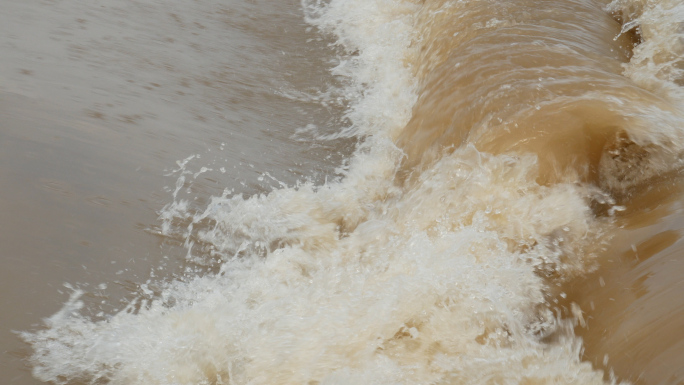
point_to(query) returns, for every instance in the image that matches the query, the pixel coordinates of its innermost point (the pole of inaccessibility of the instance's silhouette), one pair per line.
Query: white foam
(433, 284)
(658, 61)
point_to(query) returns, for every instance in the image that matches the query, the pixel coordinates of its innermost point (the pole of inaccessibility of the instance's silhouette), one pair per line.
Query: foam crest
(376, 35)
(658, 59)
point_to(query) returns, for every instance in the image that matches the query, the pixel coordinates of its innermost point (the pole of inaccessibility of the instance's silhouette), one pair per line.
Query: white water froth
(441, 282)
(658, 60)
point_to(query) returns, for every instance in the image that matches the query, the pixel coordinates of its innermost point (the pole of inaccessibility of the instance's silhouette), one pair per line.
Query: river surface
(341, 192)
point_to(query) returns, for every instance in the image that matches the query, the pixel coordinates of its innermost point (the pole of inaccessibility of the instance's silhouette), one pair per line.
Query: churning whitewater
(498, 141)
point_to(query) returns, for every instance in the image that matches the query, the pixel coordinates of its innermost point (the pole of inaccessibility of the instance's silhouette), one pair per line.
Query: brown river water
(342, 192)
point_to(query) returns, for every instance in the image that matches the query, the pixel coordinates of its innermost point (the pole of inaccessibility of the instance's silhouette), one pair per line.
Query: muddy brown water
(104, 106)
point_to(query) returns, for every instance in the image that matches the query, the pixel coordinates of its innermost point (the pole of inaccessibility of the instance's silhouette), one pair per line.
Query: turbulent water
(512, 160)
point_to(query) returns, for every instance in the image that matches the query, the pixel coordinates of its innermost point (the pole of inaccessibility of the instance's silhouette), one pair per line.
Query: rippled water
(390, 191)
